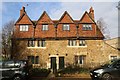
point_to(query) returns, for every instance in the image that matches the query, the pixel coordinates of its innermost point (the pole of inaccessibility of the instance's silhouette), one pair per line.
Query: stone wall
(96, 52)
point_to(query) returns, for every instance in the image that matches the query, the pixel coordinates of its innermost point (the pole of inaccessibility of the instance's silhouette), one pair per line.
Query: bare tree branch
(7, 31)
(104, 28)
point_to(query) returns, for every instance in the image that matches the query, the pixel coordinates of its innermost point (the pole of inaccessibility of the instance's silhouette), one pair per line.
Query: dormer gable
(24, 19)
(86, 18)
(44, 19)
(66, 18)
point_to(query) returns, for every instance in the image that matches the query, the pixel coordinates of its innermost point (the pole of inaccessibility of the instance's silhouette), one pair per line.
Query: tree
(103, 27)
(7, 31)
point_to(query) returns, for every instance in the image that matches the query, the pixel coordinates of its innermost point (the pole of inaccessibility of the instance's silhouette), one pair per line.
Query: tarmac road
(60, 78)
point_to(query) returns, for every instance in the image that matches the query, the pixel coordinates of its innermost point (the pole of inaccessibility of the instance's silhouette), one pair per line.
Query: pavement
(51, 76)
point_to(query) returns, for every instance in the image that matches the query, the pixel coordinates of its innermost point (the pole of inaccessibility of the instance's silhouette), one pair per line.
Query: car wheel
(107, 77)
(17, 77)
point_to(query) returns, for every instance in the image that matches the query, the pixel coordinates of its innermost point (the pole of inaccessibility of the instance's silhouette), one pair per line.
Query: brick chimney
(22, 11)
(91, 12)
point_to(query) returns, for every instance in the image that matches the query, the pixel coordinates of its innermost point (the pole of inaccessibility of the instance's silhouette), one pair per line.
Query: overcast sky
(105, 10)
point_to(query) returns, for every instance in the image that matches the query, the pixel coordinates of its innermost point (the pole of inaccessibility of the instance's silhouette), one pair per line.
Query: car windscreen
(8, 64)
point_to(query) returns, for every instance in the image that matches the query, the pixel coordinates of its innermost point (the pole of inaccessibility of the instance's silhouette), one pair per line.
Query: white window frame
(72, 43)
(24, 27)
(44, 27)
(82, 43)
(87, 27)
(31, 43)
(66, 27)
(79, 59)
(41, 43)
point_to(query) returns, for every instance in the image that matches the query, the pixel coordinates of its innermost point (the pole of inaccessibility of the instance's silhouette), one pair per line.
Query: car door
(8, 69)
(116, 69)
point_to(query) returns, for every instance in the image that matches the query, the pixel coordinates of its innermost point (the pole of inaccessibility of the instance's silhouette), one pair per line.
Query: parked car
(15, 69)
(109, 71)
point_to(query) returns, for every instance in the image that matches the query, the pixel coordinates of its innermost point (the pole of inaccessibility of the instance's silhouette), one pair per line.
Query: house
(59, 43)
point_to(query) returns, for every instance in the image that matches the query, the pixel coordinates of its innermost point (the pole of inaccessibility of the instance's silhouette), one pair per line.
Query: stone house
(58, 43)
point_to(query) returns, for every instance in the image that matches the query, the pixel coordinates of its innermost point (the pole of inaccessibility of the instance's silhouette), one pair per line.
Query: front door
(53, 63)
(61, 62)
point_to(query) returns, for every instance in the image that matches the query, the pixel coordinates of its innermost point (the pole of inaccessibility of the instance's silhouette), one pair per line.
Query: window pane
(66, 27)
(81, 59)
(87, 27)
(82, 43)
(76, 59)
(37, 60)
(32, 59)
(9, 64)
(24, 27)
(44, 27)
(38, 43)
(43, 43)
(31, 43)
(74, 42)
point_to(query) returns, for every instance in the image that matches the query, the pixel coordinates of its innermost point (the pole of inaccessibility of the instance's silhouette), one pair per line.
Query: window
(24, 27)
(9, 64)
(82, 43)
(87, 27)
(41, 43)
(72, 43)
(113, 57)
(31, 43)
(45, 27)
(34, 59)
(79, 59)
(66, 27)
(37, 60)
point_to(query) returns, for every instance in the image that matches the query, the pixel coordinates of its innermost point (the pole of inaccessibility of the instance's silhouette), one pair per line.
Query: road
(60, 78)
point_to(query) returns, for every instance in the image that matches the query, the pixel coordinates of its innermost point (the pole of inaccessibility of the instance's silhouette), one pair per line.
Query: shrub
(40, 72)
(73, 69)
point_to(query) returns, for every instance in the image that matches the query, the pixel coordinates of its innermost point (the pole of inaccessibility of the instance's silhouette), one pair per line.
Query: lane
(60, 78)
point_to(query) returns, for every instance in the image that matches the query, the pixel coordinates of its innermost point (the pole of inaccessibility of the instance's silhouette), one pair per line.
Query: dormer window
(24, 27)
(66, 27)
(87, 27)
(44, 27)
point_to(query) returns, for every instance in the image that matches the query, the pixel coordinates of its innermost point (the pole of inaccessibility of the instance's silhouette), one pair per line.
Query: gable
(44, 19)
(66, 18)
(86, 18)
(24, 19)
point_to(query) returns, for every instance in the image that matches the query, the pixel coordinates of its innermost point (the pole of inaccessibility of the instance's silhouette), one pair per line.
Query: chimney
(91, 13)
(22, 11)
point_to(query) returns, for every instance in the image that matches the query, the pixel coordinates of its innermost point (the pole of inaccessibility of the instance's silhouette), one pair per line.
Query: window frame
(45, 27)
(41, 43)
(66, 27)
(79, 59)
(82, 43)
(72, 42)
(23, 27)
(33, 59)
(31, 43)
(87, 27)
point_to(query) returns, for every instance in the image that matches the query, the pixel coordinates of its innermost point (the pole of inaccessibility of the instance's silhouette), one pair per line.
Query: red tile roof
(59, 32)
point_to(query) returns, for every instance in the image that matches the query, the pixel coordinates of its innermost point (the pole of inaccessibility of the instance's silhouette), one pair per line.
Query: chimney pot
(91, 12)
(22, 11)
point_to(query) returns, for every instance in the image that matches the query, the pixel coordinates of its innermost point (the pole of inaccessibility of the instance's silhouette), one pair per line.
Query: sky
(106, 10)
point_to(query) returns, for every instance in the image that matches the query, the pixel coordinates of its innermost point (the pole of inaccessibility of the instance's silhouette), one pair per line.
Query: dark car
(15, 69)
(109, 71)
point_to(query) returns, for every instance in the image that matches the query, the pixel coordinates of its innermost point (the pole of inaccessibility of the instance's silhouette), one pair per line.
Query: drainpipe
(77, 34)
(55, 25)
